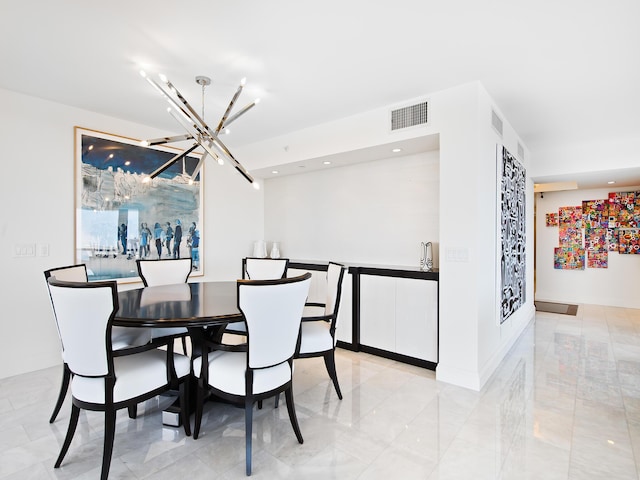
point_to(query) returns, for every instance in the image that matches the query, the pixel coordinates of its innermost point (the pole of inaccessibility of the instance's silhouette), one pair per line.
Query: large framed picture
(121, 214)
(512, 180)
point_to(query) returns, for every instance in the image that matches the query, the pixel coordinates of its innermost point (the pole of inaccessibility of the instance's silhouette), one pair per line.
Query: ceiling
(561, 72)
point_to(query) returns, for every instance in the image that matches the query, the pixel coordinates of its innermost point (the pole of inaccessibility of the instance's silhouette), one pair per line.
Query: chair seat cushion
(125, 337)
(136, 375)
(227, 373)
(315, 337)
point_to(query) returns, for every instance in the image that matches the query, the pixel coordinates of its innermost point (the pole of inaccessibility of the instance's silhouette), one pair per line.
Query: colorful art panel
(552, 219)
(567, 258)
(595, 213)
(569, 237)
(570, 217)
(598, 258)
(629, 241)
(595, 238)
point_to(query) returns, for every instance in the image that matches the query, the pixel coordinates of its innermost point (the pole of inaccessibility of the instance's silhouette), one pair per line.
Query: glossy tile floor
(565, 404)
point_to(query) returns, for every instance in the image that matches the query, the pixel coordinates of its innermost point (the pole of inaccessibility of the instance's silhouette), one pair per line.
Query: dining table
(203, 308)
(191, 305)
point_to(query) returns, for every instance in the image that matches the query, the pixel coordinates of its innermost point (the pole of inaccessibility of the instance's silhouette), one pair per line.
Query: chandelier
(197, 129)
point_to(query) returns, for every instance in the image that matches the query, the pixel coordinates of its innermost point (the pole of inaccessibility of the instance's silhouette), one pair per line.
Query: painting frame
(121, 214)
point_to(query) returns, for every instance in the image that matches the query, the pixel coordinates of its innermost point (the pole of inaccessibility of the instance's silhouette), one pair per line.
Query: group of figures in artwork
(595, 229)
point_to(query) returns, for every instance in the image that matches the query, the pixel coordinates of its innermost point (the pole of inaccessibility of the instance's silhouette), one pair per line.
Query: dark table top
(183, 305)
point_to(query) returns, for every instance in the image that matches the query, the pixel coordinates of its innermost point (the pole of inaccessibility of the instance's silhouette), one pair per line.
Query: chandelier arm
(235, 116)
(185, 113)
(222, 147)
(192, 128)
(228, 111)
(175, 159)
(163, 140)
(196, 170)
(194, 115)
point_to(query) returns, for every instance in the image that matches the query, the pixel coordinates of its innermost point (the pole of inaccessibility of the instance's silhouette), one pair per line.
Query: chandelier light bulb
(143, 74)
(220, 161)
(243, 81)
(256, 185)
(163, 77)
(256, 101)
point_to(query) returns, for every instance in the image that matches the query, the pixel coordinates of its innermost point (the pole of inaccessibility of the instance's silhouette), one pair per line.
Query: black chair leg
(330, 363)
(109, 434)
(66, 377)
(288, 394)
(248, 427)
(73, 423)
(199, 406)
(133, 411)
(184, 406)
(184, 345)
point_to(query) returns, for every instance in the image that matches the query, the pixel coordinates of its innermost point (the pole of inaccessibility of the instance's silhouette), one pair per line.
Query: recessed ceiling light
(275, 171)
(326, 162)
(611, 182)
(396, 150)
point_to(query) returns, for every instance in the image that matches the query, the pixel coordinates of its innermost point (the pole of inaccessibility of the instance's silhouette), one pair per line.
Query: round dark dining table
(191, 305)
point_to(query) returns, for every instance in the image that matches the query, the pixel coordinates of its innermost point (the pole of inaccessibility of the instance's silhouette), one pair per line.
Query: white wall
(38, 208)
(472, 342)
(616, 285)
(374, 212)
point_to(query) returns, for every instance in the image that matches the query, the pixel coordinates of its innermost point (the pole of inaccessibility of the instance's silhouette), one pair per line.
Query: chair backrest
(164, 272)
(70, 273)
(266, 268)
(84, 313)
(335, 273)
(272, 310)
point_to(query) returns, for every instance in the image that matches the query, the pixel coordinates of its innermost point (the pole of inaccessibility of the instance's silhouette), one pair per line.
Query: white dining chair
(101, 380)
(122, 338)
(265, 268)
(272, 311)
(318, 330)
(259, 269)
(166, 272)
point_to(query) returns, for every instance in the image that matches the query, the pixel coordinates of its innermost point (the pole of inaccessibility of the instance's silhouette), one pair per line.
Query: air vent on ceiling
(520, 151)
(496, 121)
(409, 116)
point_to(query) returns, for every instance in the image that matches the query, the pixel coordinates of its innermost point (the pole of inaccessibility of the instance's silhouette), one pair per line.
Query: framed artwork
(122, 215)
(570, 217)
(570, 237)
(551, 219)
(595, 213)
(598, 258)
(568, 258)
(512, 202)
(629, 241)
